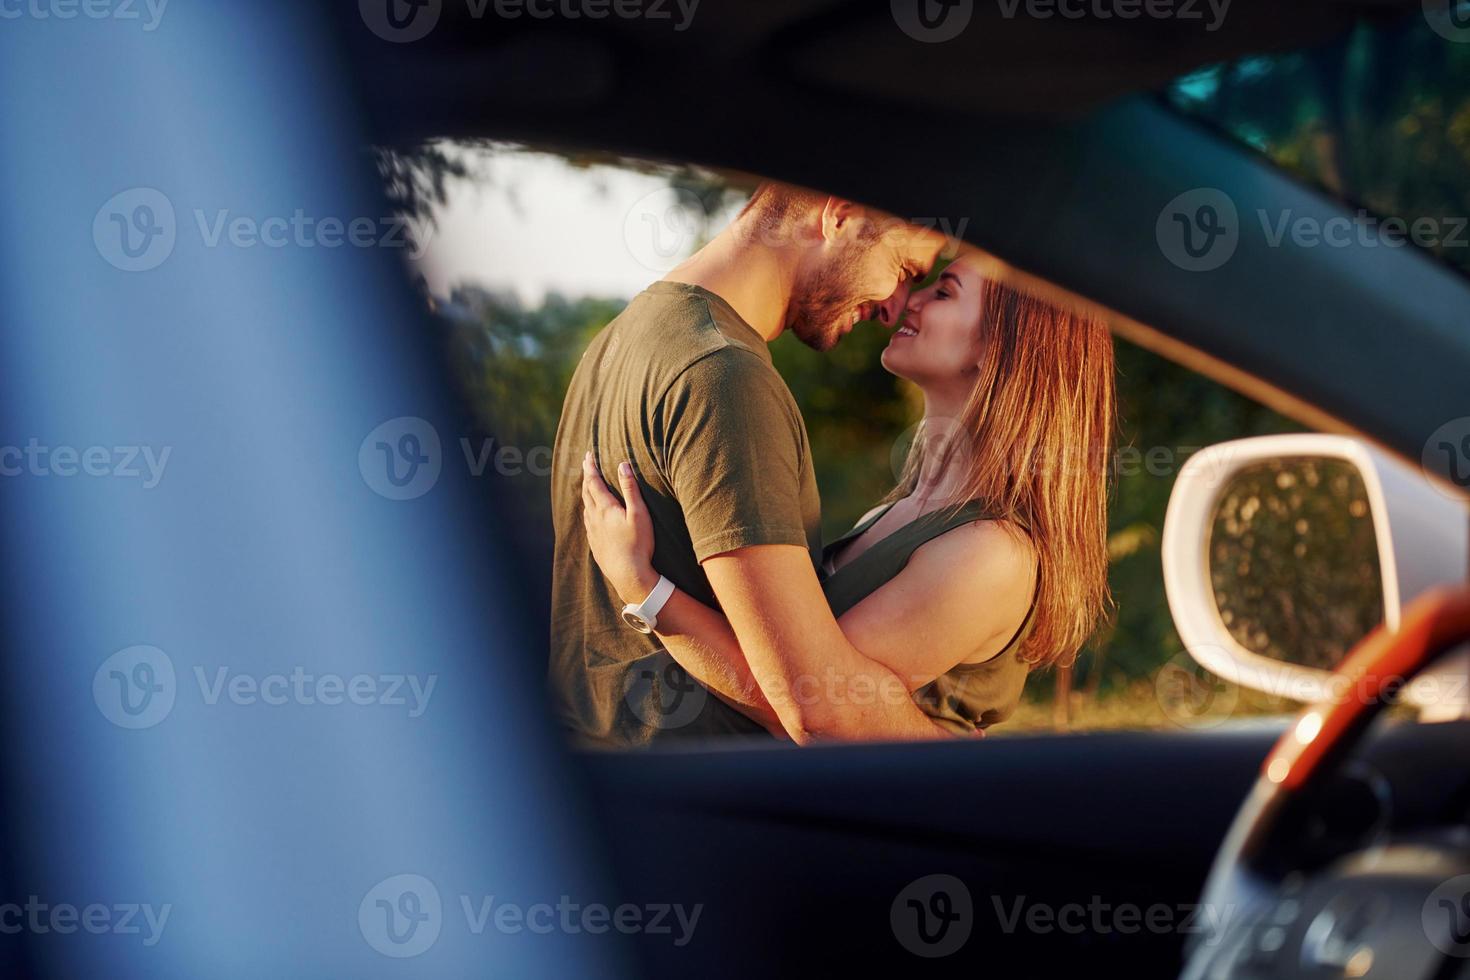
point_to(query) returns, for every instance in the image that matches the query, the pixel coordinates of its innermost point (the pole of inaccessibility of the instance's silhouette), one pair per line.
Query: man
(681, 385)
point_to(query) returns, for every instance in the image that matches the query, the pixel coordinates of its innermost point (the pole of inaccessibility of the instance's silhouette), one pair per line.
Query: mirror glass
(1294, 560)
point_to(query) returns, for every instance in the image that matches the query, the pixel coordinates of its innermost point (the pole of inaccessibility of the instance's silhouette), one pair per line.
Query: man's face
(863, 269)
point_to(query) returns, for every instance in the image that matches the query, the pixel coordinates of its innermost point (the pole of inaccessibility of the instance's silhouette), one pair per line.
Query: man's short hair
(774, 203)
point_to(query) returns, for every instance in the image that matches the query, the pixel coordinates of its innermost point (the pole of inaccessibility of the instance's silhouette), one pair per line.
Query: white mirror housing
(1423, 538)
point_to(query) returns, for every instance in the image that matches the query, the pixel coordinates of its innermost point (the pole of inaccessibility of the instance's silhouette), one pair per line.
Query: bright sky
(535, 224)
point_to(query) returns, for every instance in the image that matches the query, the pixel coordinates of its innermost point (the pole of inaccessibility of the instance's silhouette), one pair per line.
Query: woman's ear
(979, 349)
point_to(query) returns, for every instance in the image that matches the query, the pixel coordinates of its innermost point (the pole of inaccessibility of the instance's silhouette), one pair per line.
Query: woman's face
(939, 342)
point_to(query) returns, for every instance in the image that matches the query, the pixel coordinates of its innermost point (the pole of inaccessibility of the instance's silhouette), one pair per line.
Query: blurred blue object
(268, 710)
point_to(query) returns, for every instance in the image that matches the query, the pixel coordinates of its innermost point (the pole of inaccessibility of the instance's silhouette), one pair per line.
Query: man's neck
(756, 280)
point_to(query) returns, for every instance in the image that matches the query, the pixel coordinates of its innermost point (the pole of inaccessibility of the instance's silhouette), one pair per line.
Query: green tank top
(967, 696)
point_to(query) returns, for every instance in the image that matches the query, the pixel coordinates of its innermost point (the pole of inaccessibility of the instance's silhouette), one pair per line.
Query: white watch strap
(649, 608)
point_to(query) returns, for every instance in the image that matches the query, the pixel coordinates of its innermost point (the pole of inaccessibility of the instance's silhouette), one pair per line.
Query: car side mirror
(1282, 552)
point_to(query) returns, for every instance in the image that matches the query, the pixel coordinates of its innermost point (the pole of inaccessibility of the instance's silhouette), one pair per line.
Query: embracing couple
(692, 595)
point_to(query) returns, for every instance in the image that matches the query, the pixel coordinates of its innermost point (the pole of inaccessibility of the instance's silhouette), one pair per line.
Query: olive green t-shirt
(684, 389)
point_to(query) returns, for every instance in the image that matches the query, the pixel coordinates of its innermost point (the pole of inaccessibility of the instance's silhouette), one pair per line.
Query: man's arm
(702, 642)
(817, 682)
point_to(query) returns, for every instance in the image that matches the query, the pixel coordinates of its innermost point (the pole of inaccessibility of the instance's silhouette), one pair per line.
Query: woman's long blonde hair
(1033, 445)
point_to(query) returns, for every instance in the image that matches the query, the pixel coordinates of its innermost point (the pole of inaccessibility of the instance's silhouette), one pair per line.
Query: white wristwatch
(644, 616)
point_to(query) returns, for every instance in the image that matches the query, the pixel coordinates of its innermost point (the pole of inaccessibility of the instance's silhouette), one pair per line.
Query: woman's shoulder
(990, 557)
(995, 562)
(997, 536)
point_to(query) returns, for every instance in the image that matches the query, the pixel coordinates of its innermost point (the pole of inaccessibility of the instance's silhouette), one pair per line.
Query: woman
(989, 558)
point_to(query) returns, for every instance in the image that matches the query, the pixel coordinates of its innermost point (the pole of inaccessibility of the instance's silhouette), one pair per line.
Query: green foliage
(855, 413)
(515, 363)
(1166, 414)
(1379, 118)
(514, 366)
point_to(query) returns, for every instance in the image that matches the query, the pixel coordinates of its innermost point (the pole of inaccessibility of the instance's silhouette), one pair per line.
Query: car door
(1038, 855)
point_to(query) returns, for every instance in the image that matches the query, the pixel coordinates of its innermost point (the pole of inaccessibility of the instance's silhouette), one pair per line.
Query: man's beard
(824, 309)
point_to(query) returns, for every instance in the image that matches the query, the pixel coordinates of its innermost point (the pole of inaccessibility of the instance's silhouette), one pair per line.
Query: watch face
(636, 621)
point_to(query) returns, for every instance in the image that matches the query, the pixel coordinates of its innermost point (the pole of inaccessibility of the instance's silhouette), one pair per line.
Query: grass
(1183, 701)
